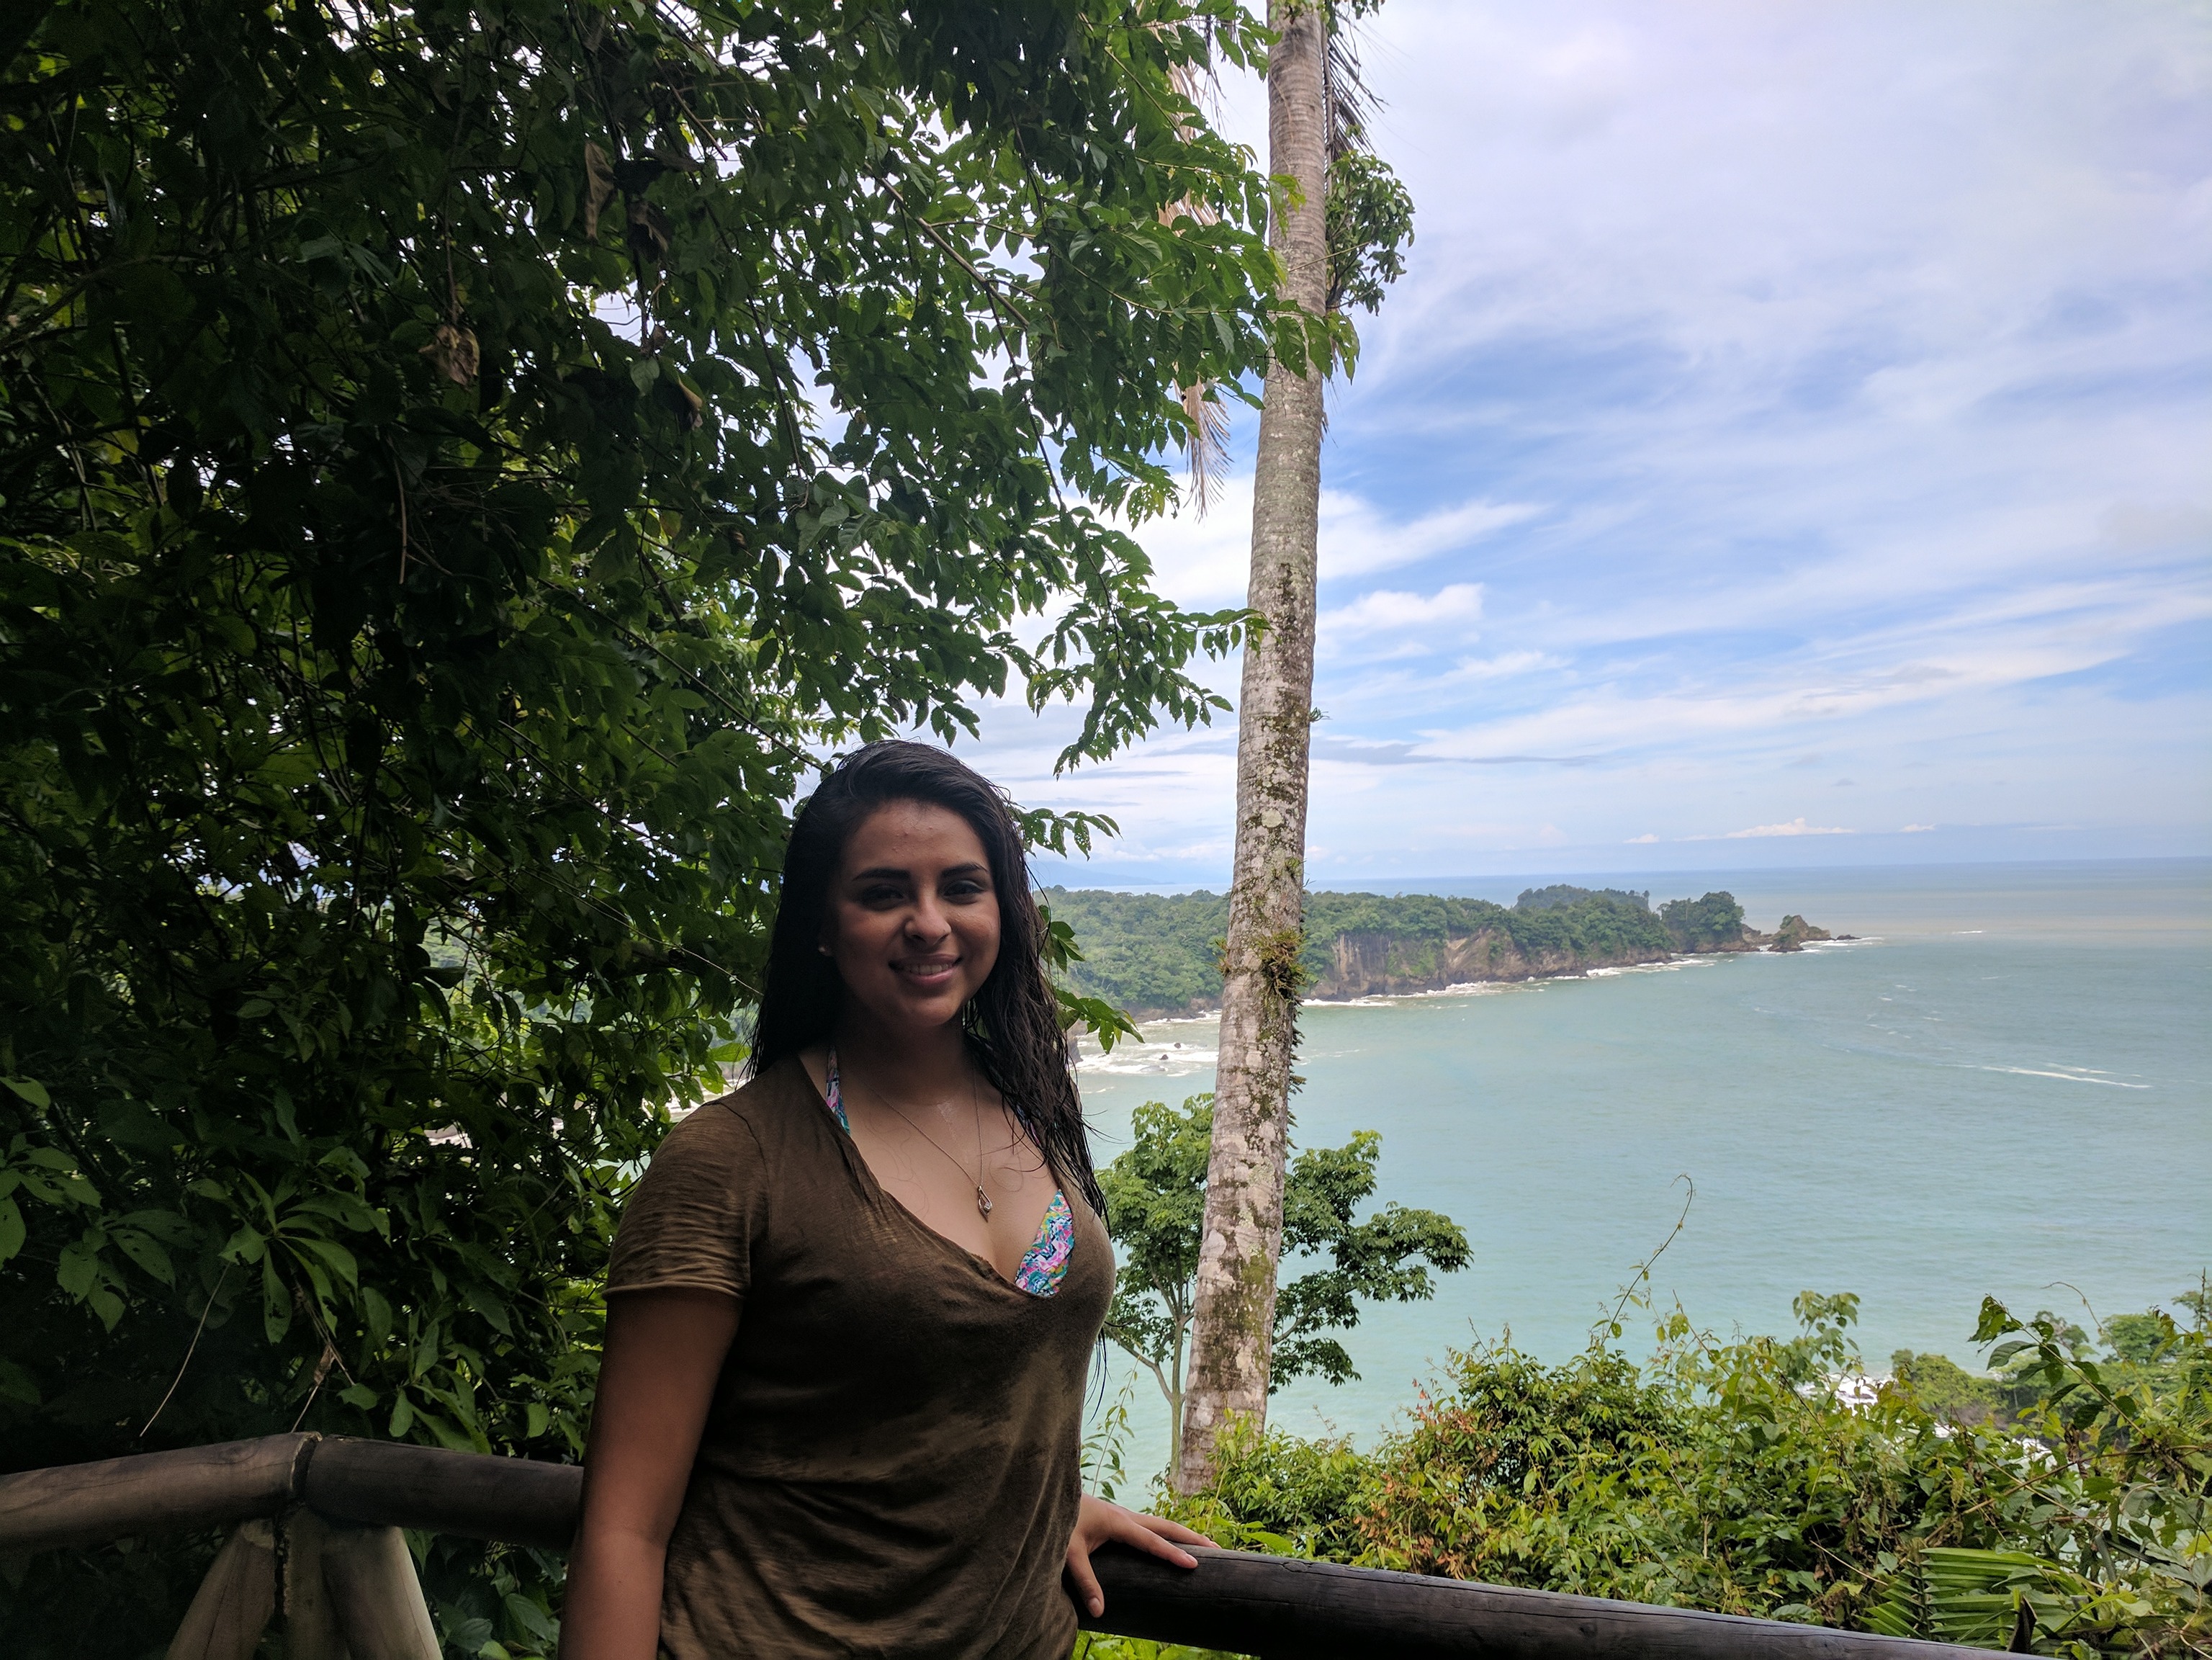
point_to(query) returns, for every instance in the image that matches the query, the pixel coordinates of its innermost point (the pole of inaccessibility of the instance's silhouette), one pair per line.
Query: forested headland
(1157, 955)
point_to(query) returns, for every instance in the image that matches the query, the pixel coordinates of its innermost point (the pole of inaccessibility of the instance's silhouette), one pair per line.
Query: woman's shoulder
(720, 1164)
(765, 1109)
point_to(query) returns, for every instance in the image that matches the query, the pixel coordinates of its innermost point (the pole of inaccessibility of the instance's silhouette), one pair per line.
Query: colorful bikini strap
(832, 1096)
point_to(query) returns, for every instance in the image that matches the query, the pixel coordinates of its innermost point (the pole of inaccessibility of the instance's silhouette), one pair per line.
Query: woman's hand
(1100, 1521)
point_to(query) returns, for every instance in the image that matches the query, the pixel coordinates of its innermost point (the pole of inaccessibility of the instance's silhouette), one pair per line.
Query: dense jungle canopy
(462, 465)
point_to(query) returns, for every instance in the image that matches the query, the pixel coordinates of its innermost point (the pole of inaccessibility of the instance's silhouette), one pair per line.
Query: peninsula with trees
(1159, 954)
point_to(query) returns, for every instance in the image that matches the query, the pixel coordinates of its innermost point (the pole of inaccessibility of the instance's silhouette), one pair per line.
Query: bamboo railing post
(231, 1609)
(311, 1623)
(152, 1493)
(377, 1597)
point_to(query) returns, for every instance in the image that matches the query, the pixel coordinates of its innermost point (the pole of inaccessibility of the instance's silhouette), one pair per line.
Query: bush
(1734, 1477)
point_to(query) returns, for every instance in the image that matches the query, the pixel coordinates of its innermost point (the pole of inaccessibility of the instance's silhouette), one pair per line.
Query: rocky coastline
(1366, 964)
(1137, 948)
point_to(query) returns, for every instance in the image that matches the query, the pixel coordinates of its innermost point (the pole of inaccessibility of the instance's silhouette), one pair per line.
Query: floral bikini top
(1045, 1264)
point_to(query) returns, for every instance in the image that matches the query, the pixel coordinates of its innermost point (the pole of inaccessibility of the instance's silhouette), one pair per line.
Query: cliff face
(1375, 965)
(1382, 964)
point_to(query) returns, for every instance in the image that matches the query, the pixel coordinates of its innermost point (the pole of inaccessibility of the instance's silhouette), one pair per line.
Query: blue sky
(1791, 442)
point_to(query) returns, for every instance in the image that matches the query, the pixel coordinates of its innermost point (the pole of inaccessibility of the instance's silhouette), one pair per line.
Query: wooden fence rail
(1271, 1606)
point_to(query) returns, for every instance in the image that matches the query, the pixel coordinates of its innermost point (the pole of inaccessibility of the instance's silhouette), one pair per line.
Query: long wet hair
(1012, 1022)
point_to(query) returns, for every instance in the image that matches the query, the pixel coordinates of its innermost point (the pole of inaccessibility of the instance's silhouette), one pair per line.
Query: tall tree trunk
(1232, 1333)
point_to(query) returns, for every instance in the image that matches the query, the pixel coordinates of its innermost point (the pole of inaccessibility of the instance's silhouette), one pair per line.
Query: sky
(1791, 443)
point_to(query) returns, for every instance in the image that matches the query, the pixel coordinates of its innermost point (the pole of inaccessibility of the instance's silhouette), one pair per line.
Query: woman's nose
(926, 920)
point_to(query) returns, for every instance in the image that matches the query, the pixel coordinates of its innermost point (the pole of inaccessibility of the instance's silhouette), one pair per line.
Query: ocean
(2003, 1087)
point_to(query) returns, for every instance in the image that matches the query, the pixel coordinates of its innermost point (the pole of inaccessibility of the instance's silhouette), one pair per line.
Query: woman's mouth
(928, 971)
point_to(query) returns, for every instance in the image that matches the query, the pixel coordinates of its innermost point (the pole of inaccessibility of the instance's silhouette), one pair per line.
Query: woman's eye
(881, 896)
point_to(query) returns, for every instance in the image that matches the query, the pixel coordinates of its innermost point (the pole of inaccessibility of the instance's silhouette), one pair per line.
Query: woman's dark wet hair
(1011, 1023)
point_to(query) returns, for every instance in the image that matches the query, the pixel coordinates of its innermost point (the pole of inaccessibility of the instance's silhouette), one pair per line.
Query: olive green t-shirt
(891, 1464)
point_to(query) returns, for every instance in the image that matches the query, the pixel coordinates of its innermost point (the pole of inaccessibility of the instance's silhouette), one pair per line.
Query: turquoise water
(2003, 1086)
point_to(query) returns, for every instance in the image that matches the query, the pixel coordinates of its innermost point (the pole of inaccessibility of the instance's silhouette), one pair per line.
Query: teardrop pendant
(983, 1204)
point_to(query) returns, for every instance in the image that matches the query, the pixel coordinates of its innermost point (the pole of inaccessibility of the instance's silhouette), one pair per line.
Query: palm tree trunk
(1231, 1335)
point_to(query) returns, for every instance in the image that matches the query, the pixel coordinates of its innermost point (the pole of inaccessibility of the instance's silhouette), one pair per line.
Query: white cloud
(1387, 610)
(1795, 827)
(1693, 698)
(1913, 830)
(1642, 840)
(1208, 561)
(1749, 178)
(1356, 540)
(1502, 666)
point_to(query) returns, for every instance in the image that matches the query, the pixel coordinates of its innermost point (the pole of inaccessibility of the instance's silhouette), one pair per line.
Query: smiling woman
(852, 1304)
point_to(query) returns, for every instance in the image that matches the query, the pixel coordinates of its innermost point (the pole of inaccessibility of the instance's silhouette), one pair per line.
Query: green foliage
(1097, 1645)
(2143, 1353)
(1565, 893)
(1947, 1391)
(1096, 1015)
(1386, 1258)
(2141, 1339)
(1149, 952)
(1155, 1207)
(1369, 224)
(462, 465)
(1732, 1477)
(1716, 921)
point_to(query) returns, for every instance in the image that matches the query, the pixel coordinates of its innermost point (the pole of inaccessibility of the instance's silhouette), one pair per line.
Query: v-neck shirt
(891, 1463)
(1044, 1264)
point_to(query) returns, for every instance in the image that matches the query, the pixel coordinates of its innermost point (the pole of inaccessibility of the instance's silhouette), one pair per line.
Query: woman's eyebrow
(901, 874)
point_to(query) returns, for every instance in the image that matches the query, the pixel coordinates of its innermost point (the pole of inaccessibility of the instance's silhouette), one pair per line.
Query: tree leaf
(275, 1303)
(17, 1385)
(146, 1252)
(327, 1250)
(78, 1269)
(453, 352)
(599, 187)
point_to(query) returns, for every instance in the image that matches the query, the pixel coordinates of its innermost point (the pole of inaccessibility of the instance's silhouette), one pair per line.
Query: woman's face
(913, 917)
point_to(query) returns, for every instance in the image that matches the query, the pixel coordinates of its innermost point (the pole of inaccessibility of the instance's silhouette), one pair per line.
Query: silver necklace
(976, 1179)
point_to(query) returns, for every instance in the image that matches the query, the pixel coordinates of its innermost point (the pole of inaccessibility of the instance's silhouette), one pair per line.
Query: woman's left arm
(663, 1351)
(1100, 1522)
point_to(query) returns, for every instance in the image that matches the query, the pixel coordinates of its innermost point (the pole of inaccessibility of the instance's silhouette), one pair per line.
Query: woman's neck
(927, 1065)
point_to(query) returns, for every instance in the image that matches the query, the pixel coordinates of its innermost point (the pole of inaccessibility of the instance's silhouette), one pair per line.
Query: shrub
(1735, 1477)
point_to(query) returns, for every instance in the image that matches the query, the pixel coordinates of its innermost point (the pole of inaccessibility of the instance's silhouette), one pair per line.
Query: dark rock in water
(1793, 932)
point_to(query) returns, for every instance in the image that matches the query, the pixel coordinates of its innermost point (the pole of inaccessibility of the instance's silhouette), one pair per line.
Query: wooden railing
(339, 1503)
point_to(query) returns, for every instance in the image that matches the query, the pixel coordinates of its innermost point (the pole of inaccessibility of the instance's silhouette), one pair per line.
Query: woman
(850, 1304)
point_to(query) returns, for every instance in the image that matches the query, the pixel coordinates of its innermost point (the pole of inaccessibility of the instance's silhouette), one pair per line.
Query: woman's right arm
(657, 1373)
